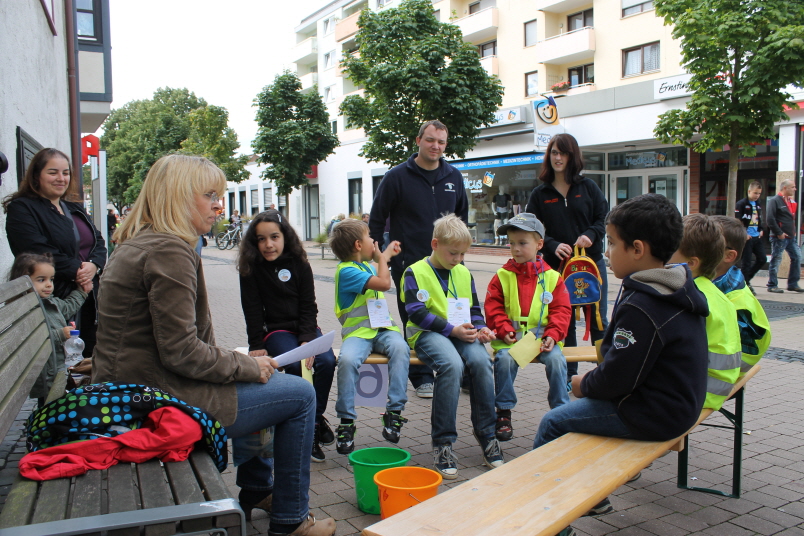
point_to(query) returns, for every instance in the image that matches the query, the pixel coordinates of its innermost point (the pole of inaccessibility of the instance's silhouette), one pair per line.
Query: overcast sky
(225, 52)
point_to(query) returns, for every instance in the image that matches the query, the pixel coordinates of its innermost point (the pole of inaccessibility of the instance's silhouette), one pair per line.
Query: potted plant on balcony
(560, 87)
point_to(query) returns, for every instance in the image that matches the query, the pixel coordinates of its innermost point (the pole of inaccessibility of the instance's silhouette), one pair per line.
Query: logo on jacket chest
(449, 187)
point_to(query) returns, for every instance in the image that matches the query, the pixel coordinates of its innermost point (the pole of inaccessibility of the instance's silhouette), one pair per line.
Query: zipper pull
(565, 202)
(433, 187)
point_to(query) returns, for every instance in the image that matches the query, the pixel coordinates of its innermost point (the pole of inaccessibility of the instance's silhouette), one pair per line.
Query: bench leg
(736, 419)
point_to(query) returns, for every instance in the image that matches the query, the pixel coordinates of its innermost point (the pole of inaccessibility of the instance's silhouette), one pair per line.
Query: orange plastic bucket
(402, 487)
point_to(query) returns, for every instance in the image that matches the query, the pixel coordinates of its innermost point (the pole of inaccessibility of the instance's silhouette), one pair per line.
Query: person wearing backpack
(573, 211)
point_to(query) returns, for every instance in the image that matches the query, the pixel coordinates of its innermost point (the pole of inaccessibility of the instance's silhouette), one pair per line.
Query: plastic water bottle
(73, 349)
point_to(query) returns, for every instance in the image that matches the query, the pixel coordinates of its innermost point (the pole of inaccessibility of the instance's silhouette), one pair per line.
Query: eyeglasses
(212, 196)
(557, 153)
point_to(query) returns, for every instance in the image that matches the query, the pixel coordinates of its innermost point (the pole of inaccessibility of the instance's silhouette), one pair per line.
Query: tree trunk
(731, 189)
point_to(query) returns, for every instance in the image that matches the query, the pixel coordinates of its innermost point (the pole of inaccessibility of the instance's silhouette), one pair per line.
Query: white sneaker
(425, 390)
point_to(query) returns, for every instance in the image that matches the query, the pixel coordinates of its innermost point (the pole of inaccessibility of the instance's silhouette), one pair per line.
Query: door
(313, 214)
(631, 184)
(626, 186)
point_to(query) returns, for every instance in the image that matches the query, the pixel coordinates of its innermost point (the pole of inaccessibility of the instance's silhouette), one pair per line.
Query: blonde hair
(703, 238)
(166, 202)
(450, 229)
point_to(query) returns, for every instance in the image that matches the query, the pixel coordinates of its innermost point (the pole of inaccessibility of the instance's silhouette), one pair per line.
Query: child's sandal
(505, 430)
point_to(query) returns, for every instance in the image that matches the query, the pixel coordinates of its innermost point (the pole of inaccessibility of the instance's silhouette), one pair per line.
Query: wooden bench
(575, 354)
(171, 498)
(544, 491)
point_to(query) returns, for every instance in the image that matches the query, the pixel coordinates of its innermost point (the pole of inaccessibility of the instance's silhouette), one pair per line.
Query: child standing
(42, 271)
(526, 295)
(446, 328)
(362, 310)
(702, 248)
(755, 334)
(651, 384)
(277, 293)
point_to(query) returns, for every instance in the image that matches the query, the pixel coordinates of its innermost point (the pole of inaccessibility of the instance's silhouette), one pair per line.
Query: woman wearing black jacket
(39, 219)
(573, 211)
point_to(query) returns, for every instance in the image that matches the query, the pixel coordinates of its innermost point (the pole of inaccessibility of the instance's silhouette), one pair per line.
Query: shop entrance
(629, 184)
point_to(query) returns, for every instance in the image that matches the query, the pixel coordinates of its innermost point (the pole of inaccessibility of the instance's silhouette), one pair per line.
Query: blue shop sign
(504, 161)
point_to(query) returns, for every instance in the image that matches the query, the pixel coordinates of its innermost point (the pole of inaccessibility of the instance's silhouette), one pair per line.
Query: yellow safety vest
(436, 302)
(744, 300)
(355, 319)
(723, 337)
(538, 311)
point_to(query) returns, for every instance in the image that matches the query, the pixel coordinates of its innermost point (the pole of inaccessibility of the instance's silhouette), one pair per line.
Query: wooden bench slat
(12, 315)
(20, 502)
(186, 491)
(155, 492)
(212, 485)
(122, 494)
(52, 502)
(12, 403)
(14, 288)
(29, 336)
(87, 496)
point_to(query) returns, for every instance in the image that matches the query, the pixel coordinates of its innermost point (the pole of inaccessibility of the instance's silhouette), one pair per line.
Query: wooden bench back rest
(25, 346)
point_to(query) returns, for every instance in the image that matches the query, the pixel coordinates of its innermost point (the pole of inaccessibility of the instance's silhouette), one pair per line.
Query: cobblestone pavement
(772, 499)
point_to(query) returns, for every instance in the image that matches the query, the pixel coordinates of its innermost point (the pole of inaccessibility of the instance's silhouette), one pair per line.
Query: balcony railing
(561, 6)
(305, 52)
(308, 81)
(347, 27)
(489, 63)
(480, 26)
(569, 47)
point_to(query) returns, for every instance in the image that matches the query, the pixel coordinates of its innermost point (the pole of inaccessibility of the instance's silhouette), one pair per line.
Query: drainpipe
(72, 84)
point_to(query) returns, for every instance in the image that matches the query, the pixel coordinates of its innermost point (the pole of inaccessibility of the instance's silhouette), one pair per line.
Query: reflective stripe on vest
(354, 319)
(514, 311)
(723, 338)
(437, 301)
(744, 300)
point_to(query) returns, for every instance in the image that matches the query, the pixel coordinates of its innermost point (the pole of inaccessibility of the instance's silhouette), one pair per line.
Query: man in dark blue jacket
(414, 194)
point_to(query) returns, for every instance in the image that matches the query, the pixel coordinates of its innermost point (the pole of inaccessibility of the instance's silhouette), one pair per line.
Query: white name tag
(379, 317)
(458, 311)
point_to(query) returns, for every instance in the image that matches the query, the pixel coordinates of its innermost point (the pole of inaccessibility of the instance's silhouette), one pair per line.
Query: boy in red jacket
(526, 295)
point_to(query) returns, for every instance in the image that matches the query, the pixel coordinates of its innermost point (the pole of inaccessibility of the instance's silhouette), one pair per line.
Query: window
(632, 7)
(437, 14)
(27, 147)
(583, 74)
(532, 84)
(383, 3)
(530, 33)
(355, 196)
(266, 198)
(255, 201)
(576, 21)
(329, 59)
(329, 93)
(334, 126)
(488, 49)
(641, 59)
(329, 25)
(86, 20)
(474, 8)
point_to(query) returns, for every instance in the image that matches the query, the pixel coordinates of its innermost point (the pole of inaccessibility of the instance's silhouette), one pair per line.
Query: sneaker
(311, 527)
(569, 387)
(796, 289)
(317, 454)
(392, 426)
(425, 390)
(504, 430)
(346, 438)
(492, 453)
(775, 290)
(603, 507)
(325, 435)
(445, 461)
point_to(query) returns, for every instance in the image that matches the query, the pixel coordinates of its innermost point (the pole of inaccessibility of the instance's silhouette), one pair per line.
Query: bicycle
(228, 239)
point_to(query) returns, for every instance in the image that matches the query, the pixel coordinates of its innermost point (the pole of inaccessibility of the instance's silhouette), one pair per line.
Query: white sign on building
(672, 87)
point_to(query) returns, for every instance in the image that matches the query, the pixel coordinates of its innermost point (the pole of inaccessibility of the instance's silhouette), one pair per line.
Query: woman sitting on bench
(154, 329)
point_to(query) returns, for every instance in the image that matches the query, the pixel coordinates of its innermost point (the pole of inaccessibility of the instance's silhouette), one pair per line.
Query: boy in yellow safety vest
(755, 334)
(446, 328)
(702, 248)
(526, 295)
(367, 326)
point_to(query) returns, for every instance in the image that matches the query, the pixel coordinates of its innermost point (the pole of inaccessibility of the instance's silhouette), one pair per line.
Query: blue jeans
(505, 370)
(288, 404)
(354, 351)
(447, 356)
(779, 245)
(595, 334)
(279, 342)
(586, 416)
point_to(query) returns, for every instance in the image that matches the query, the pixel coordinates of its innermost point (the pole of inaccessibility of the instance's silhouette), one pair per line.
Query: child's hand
(576, 386)
(87, 286)
(485, 335)
(510, 338)
(464, 332)
(547, 344)
(392, 250)
(67, 330)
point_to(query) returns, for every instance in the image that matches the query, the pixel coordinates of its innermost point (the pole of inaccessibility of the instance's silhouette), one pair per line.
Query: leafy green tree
(174, 120)
(294, 132)
(741, 54)
(413, 69)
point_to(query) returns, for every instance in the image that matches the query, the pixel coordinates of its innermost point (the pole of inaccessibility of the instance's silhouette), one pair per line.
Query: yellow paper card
(526, 349)
(307, 374)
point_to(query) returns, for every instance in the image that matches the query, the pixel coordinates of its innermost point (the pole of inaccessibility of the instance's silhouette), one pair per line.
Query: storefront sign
(545, 120)
(672, 87)
(504, 161)
(508, 116)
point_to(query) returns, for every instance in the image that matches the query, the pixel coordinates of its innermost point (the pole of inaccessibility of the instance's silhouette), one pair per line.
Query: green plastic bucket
(366, 463)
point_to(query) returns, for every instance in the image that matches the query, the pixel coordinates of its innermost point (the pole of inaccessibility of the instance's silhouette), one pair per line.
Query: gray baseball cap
(524, 221)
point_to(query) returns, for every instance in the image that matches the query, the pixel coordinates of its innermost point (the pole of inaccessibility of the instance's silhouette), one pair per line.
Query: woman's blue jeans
(447, 356)
(279, 342)
(586, 416)
(287, 403)
(505, 370)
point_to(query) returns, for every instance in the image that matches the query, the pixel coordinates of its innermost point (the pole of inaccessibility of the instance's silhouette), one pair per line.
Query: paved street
(773, 468)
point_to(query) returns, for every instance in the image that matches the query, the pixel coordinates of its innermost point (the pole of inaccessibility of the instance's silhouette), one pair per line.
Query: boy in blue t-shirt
(367, 326)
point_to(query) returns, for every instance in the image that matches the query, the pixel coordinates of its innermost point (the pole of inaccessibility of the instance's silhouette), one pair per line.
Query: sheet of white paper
(314, 347)
(379, 317)
(458, 311)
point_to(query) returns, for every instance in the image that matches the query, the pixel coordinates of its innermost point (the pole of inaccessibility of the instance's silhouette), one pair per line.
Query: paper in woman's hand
(312, 348)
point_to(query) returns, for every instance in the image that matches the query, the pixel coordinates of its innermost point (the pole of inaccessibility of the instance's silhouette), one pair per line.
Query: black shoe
(796, 289)
(603, 507)
(317, 455)
(261, 500)
(775, 290)
(505, 429)
(346, 438)
(325, 435)
(492, 453)
(392, 426)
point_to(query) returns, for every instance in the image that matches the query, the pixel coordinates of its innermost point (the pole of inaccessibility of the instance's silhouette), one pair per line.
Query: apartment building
(612, 67)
